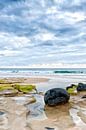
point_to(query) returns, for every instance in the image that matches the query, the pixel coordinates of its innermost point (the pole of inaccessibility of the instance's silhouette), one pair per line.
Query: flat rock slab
(9, 93)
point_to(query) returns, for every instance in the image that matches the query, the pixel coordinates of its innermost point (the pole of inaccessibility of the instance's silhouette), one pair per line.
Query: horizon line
(52, 65)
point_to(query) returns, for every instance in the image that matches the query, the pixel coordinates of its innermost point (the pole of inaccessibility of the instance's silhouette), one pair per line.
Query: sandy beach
(28, 112)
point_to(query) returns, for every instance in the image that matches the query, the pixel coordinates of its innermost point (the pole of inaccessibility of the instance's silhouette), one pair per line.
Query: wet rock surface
(13, 112)
(13, 88)
(81, 87)
(9, 93)
(56, 96)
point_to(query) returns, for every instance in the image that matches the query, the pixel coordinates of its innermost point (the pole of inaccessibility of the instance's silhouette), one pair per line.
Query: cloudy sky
(42, 31)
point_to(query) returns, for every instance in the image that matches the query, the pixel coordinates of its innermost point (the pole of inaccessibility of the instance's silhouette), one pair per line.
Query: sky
(42, 32)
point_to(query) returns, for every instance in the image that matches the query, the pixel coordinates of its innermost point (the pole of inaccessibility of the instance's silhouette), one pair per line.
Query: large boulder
(81, 87)
(56, 96)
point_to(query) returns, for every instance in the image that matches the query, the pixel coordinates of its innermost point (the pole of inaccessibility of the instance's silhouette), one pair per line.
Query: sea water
(25, 72)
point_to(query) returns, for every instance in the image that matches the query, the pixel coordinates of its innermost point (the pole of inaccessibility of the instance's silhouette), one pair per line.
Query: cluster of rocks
(58, 96)
(72, 89)
(9, 89)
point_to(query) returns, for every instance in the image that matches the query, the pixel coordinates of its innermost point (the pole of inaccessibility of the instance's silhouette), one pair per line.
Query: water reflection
(36, 109)
(3, 120)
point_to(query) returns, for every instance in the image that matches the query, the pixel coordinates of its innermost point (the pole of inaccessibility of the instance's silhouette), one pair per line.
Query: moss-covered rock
(25, 88)
(7, 90)
(5, 87)
(2, 81)
(72, 89)
(13, 89)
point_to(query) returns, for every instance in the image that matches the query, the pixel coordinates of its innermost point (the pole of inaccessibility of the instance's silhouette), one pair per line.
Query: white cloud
(52, 10)
(44, 31)
(74, 17)
(45, 36)
(9, 53)
(14, 41)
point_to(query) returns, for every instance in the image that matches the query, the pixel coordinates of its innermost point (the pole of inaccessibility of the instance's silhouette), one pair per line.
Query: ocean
(25, 72)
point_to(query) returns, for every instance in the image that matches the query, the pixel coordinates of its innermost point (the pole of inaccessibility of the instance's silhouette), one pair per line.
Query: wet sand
(23, 113)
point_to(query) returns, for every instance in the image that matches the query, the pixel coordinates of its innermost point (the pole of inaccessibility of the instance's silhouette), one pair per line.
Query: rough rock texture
(56, 96)
(13, 112)
(9, 93)
(81, 87)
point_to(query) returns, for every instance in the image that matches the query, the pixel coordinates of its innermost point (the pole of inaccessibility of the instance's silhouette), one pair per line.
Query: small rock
(48, 128)
(72, 89)
(56, 96)
(1, 113)
(71, 86)
(81, 87)
(84, 96)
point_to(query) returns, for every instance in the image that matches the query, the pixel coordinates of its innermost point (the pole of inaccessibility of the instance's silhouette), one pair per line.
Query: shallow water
(61, 81)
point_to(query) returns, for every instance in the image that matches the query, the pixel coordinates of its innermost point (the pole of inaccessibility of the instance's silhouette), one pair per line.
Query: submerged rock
(81, 87)
(56, 96)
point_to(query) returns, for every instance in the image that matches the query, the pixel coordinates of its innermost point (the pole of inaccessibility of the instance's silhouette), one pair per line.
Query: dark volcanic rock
(48, 128)
(81, 87)
(56, 96)
(84, 96)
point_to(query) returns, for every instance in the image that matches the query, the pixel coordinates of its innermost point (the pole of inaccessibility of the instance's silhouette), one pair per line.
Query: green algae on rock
(25, 88)
(5, 87)
(13, 89)
(2, 81)
(72, 89)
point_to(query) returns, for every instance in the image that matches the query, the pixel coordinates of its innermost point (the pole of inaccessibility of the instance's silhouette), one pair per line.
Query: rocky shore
(27, 111)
